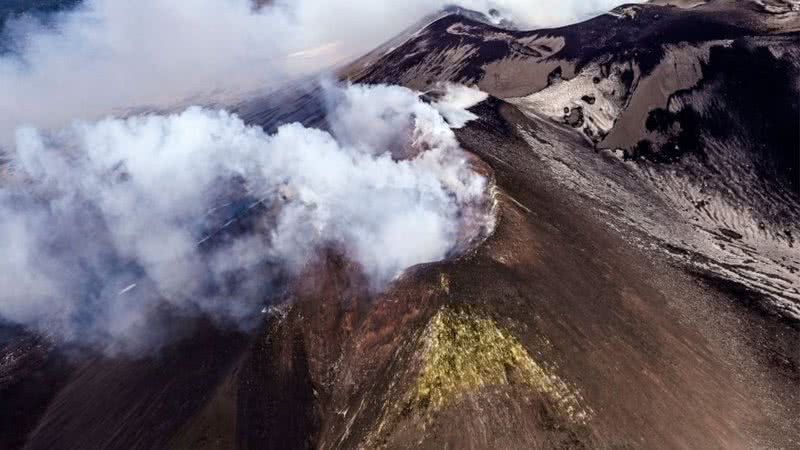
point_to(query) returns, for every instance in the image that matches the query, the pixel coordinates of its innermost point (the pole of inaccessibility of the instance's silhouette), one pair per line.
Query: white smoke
(106, 223)
(109, 225)
(110, 55)
(455, 102)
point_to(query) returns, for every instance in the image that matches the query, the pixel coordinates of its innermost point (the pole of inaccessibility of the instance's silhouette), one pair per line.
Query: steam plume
(108, 55)
(107, 223)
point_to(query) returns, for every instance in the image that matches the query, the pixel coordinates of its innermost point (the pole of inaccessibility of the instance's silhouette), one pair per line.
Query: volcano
(640, 287)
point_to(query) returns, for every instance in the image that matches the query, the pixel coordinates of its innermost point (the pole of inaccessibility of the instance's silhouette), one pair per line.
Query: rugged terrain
(640, 289)
(701, 104)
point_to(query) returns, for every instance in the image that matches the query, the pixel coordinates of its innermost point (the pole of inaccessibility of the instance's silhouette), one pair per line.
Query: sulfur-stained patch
(444, 283)
(460, 352)
(464, 352)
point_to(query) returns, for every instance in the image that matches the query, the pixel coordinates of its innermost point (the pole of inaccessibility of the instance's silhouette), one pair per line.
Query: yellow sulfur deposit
(463, 352)
(444, 283)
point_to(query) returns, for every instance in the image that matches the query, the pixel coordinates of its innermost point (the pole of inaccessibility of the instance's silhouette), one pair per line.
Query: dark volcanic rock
(574, 117)
(761, 106)
(645, 303)
(32, 372)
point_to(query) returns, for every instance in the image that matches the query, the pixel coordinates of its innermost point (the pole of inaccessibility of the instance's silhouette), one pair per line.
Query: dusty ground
(572, 326)
(556, 332)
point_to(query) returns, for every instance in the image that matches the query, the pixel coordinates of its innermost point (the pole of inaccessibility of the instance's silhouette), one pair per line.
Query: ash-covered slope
(556, 333)
(575, 325)
(699, 103)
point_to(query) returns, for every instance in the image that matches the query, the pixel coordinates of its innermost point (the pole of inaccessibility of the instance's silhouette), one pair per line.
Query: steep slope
(554, 333)
(701, 102)
(625, 299)
(577, 324)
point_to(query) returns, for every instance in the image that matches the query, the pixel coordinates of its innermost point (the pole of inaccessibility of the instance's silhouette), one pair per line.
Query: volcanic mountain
(641, 288)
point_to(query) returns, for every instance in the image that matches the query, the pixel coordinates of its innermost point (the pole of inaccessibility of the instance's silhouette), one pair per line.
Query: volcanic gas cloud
(106, 225)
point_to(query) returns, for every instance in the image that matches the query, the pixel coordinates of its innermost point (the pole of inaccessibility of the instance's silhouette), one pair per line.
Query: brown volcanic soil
(655, 356)
(600, 344)
(559, 331)
(656, 359)
(121, 403)
(703, 101)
